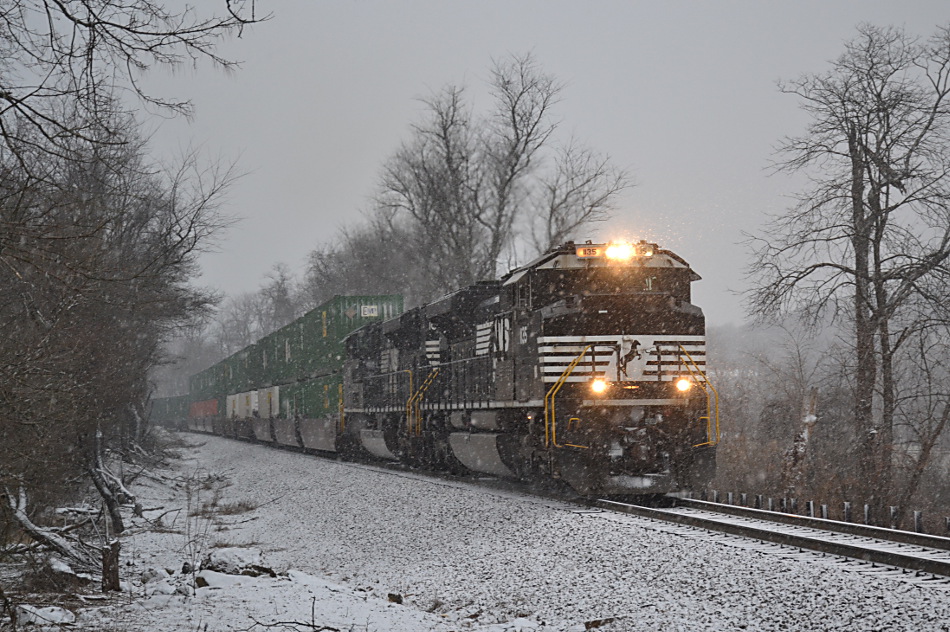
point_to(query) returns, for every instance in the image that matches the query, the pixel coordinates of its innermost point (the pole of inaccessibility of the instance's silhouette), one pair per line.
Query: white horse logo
(629, 359)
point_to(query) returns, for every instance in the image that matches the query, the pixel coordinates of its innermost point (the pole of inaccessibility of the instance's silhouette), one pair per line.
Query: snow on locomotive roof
(572, 256)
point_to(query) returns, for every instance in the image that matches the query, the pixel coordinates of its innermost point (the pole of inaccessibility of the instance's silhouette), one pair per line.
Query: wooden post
(824, 512)
(893, 517)
(919, 521)
(847, 512)
(867, 514)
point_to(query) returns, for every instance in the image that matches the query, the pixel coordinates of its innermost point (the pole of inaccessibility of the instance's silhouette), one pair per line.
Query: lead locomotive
(586, 365)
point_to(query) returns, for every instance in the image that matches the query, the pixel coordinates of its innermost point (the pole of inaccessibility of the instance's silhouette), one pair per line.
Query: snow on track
(468, 558)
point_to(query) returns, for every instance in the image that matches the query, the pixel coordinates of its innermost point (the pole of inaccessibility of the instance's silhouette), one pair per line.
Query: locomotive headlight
(621, 251)
(598, 386)
(683, 385)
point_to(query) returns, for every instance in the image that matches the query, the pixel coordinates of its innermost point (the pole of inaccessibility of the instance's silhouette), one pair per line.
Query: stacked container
(287, 387)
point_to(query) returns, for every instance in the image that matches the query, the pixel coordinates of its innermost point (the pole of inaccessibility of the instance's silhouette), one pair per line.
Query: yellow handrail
(550, 428)
(409, 401)
(414, 401)
(342, 416)
(711, 406)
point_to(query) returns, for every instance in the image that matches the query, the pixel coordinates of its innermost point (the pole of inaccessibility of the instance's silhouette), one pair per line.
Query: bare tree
(769, 380)
(97, 244)
(520, 129)
(437, 182)
(922, 412)
(872, 234)
(189, 350)
(580, 191)
(282, 297)
(463, 186)
(375, 258)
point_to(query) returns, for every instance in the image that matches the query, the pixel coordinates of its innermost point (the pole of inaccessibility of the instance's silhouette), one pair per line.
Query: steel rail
(838, 526)
(875, 549)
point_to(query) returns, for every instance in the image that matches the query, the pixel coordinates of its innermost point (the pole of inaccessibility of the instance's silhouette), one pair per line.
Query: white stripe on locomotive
(664, 359)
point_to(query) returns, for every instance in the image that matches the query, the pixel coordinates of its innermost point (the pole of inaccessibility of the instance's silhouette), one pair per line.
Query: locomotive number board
(590, 251)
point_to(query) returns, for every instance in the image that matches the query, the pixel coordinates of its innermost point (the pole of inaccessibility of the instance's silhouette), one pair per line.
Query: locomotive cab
(626, 405)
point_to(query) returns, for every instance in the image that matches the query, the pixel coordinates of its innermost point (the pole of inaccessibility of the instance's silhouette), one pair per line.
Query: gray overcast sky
(683, 94)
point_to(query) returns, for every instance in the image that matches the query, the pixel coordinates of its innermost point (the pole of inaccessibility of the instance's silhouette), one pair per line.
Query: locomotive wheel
(348, 446)
(443, 457)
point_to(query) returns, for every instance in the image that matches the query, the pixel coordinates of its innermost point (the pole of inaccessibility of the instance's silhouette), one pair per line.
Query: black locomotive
(586, 365)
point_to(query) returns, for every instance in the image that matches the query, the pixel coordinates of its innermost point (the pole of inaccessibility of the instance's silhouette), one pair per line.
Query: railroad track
(901, 549)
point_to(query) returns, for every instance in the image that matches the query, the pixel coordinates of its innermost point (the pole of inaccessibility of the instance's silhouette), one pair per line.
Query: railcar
(287, 387)
(586, 365)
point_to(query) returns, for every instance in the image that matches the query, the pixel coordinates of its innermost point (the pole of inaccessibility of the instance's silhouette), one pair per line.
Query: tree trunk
(111, 490)
(110, 567)
(111, 502)
(865, 374)
(885, 435)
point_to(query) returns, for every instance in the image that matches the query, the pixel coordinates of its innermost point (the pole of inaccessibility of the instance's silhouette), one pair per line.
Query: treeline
(98, 243)
(789, 430)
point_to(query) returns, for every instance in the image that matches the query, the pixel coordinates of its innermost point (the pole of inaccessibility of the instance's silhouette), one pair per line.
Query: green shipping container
(312, 345)
(304, 358)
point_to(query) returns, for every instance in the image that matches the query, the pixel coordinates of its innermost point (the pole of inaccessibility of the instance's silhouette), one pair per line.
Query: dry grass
(228, 544)
(39, 577)
(240, 507)
(214, 508)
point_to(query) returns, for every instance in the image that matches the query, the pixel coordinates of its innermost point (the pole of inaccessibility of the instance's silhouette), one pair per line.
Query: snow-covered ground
(348, 543)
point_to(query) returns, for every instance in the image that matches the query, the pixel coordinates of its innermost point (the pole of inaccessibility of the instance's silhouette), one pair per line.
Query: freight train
(587, 365)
